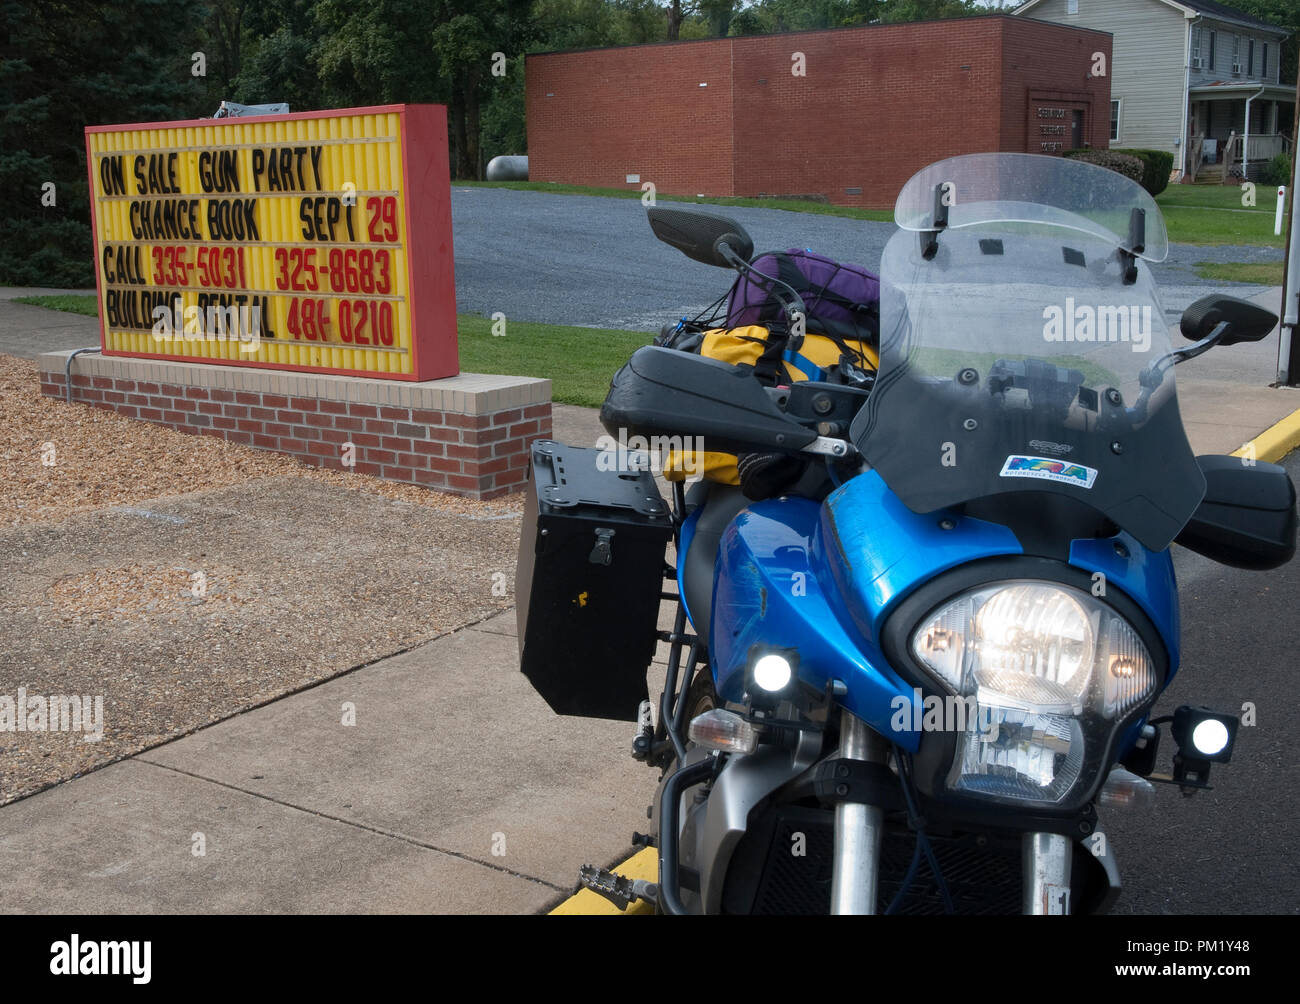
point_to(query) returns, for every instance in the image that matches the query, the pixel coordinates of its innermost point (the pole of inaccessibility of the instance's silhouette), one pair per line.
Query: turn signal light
(723, 730)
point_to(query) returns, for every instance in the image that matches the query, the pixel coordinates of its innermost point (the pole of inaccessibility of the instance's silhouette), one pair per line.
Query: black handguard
(766, 475)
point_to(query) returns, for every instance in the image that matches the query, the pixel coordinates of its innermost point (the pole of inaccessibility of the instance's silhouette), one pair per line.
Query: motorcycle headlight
(1046, 672)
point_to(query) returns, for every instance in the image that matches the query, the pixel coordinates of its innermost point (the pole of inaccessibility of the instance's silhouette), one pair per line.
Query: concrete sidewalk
(456, 791)
(1225, 395)
(27, 331)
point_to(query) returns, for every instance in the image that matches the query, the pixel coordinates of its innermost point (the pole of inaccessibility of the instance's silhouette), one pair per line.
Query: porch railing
(1195, 156)
(1268, 147)
(1263, 148)
(1232, 154)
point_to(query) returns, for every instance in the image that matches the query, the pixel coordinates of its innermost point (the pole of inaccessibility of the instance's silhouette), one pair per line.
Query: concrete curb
(1275, 442)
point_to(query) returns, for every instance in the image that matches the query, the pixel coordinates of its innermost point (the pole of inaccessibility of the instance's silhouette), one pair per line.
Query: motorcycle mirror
(701, 235)
(1247, 322)
(663, 392)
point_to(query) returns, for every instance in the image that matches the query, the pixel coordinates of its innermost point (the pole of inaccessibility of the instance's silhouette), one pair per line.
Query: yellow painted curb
(644, 864)
(1274, 443)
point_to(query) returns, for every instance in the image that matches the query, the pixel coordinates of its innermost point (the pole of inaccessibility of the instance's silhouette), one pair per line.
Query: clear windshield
(985, 188)
(1020, 356)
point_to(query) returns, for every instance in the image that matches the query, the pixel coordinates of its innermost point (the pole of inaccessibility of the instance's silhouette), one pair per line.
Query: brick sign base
(467, 434)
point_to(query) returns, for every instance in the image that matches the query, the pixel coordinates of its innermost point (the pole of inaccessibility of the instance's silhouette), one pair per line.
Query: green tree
(574, 24)
(898, 11)
(277, 61)
(63, 67)
(223, 29)
(472, 41)
(638, 21)
(1284, 14)
(375, 54)
(775, 16)
(718, 14)
(504, 130)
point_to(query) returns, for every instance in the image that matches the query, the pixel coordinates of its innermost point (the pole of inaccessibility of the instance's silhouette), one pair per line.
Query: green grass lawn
(1214, 214)
(72, 304)
(1194, 214)
(578, 361)
(791, 205)
(1261, 273)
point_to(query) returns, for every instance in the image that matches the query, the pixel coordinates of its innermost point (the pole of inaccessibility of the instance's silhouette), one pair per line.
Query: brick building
(734, 116)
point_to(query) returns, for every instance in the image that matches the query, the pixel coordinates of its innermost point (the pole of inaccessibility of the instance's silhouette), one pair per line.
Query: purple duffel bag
(842, 300)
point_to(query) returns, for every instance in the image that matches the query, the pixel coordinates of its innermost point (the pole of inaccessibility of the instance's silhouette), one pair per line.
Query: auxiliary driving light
(770, 674)
(773, 673)
(1202, 734)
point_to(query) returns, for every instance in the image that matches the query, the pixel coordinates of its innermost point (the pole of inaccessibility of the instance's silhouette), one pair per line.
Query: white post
(1245, 146)
(1281, 202)
(1245, 139)
(1290, 281)
(1291, 308)
(1291, 301)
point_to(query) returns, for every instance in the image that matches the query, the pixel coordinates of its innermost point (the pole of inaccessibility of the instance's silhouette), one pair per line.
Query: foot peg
(620, 891)
(643, 741)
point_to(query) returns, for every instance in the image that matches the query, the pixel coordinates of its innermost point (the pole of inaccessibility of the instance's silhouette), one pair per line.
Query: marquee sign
(318, 241)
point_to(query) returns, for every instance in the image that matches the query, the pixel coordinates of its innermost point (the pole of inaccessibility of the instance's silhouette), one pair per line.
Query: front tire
(700, 696)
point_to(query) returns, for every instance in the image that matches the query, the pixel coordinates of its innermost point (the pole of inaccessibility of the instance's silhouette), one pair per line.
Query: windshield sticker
(1049, 470)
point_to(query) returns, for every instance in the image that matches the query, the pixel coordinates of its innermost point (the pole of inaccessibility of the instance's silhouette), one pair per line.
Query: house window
(1236, 54)
(1071, 6)
(1263, 55)
(1210, 64)
(1250, 57)
(1196, 48)
(1114, 120)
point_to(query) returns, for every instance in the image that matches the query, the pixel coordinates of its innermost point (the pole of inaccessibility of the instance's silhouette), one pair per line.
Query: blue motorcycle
(907, 682)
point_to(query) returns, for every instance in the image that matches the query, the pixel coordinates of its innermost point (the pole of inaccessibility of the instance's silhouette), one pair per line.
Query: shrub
(1277, 171)
(1121, 163)
(1157, 165)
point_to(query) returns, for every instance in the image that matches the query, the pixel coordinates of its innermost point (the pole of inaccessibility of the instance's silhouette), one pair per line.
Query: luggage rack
(658, 744)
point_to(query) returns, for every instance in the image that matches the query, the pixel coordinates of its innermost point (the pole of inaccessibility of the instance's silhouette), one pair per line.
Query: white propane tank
(507, 169)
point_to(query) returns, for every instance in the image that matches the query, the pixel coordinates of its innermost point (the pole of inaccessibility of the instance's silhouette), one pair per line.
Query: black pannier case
(589, 582)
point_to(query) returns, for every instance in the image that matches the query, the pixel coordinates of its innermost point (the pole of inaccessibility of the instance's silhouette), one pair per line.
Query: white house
(1193, 77)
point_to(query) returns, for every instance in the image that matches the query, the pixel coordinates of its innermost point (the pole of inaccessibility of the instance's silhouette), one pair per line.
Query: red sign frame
(426, 215)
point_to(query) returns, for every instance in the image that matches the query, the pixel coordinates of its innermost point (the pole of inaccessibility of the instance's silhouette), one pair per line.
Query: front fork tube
(1045, 865)
(1045, 857)
(858, 828)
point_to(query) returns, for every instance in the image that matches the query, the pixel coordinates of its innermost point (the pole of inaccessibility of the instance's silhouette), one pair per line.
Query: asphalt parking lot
(1230, 850)
(576, 259)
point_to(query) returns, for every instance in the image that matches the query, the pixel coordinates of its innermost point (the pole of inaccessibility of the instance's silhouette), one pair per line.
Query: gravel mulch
(57, 459)
(184, 579)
